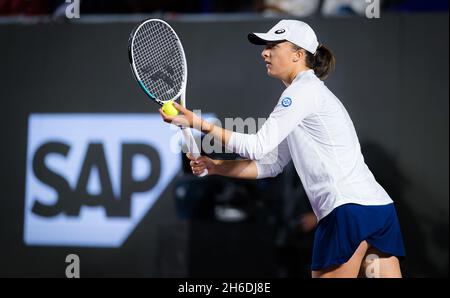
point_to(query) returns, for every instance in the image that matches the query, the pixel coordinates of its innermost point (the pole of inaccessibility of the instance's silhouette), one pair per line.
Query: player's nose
(265, 53)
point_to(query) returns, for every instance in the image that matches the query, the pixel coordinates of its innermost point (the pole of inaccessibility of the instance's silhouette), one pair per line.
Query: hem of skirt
(342, 260)
(397, 254)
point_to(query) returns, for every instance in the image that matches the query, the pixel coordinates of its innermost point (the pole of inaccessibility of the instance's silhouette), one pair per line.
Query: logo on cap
(280, 31)
(285, 102)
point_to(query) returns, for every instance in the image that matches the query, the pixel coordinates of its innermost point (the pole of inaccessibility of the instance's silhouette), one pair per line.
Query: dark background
(391, 75)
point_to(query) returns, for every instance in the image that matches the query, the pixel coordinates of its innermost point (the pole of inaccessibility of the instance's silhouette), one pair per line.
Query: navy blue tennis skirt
(339, 234)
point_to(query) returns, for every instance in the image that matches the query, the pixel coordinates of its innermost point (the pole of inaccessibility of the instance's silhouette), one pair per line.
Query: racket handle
(192, 146)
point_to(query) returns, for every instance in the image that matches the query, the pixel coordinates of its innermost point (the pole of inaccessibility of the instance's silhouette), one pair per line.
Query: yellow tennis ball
(169, 109)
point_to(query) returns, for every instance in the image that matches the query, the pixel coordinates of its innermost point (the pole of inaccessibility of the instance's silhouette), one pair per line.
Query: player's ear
(298, 55)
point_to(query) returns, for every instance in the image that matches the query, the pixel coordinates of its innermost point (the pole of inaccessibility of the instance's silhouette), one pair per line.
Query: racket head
(157, 60)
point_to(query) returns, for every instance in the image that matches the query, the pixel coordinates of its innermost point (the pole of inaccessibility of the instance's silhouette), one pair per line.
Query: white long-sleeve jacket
(311, 126)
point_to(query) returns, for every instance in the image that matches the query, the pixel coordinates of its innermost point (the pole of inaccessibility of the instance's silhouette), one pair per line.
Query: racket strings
(159, 60)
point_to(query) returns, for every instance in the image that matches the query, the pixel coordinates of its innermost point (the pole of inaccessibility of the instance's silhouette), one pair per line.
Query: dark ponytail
(323, 62)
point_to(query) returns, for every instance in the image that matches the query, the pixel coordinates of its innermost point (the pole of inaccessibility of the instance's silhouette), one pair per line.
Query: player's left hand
(185, 118)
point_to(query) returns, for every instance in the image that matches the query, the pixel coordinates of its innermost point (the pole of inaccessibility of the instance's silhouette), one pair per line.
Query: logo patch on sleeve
(285, 102)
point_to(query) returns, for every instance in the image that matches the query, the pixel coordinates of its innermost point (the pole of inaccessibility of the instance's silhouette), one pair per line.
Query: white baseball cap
(297, 32)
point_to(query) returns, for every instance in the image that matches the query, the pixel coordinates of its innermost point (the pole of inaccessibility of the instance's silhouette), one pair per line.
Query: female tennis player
(358, 233)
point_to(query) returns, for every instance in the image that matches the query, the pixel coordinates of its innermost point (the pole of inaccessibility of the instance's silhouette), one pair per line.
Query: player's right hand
(200, 164)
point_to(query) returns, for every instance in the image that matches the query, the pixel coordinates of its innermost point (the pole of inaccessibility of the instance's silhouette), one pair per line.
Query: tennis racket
(159, 65)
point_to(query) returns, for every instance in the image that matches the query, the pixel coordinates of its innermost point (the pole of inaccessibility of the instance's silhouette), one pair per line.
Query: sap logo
(69, 201)
(91, 178)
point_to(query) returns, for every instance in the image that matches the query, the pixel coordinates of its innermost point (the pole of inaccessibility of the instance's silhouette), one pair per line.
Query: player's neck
(291, 77)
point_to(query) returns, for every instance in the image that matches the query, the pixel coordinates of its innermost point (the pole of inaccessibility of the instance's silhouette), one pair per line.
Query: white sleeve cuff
(246, 145)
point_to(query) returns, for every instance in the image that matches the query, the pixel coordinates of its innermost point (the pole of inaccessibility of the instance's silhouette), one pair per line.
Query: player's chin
(271, 74)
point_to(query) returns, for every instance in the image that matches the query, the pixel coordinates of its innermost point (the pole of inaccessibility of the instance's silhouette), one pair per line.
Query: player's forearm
(217, 132)
(244, 169)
